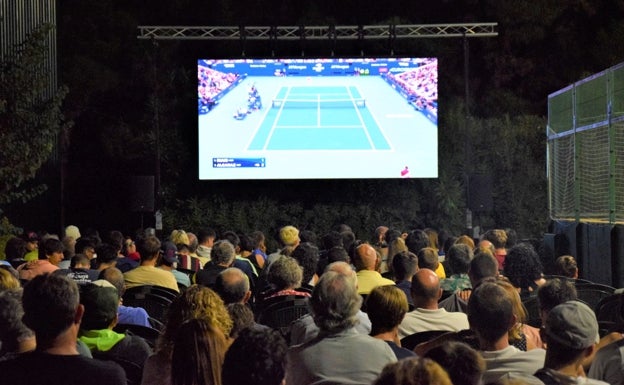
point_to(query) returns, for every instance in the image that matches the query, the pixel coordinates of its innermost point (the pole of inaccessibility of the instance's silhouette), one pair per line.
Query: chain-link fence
(586, 149)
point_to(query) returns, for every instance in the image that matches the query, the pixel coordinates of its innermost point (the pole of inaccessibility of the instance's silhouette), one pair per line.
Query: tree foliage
(30, 118)
(123, 88)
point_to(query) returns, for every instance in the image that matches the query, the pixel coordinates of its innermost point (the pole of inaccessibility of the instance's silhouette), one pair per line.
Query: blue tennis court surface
(318, 118)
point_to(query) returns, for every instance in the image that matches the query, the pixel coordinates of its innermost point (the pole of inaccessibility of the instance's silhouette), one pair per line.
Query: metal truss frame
(331, 32)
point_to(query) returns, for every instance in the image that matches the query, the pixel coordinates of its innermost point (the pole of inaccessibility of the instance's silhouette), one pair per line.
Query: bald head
(115, 277)
(426, 289)
(486, 245)
(233, 286)
(366, 258)
(380, 234)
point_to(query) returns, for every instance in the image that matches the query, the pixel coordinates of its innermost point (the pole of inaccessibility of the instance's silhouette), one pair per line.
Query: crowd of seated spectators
(421, 86)
(63, 316)
(210, 84)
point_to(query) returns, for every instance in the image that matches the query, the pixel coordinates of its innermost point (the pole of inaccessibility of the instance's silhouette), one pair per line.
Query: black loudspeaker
(555, 245)
(480, 193)
(141, 193)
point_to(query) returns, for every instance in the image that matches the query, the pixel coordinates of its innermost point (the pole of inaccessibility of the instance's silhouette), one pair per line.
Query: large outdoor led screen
(318, 118)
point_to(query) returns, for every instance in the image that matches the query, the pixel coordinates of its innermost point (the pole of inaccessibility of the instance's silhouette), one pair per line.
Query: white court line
(266, 112)
(318, 110)
(325, 126)
(274, 125)
(370, 140)
(379, 126)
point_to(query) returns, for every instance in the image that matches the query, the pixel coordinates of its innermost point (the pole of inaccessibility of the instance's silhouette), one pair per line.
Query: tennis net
(319, 103)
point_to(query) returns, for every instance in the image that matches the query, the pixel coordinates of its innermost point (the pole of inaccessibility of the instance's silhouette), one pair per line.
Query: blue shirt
(132, 316)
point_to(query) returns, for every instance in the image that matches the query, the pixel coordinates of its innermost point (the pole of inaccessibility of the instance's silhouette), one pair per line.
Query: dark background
(122, 88)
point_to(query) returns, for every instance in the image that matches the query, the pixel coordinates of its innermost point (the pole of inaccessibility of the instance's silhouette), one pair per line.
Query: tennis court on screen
(318, 118)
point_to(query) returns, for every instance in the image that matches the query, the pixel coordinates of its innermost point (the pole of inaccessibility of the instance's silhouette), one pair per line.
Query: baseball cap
(572, 324)
(30, 236)
(169, 254)
(100, 303)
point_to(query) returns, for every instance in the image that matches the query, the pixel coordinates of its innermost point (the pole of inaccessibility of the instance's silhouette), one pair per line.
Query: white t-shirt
(511, 360)
(422, 320)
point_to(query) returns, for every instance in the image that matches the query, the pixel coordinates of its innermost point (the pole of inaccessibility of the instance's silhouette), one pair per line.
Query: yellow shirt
(368, 280)
(440, 271)
(150, 275)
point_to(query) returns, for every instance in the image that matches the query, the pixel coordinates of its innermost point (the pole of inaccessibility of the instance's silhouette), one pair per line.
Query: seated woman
(196, 302)
(198, 353)
(522, 336)
(386, 306)
(286, 275)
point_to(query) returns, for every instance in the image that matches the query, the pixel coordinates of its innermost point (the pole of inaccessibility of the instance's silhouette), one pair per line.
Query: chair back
(410, 342)
(533, 312)
(150, 335)
(155, 305)
(139, 291)
(134, 372)
(156, 324)
(280, 314)
(593, 293)
(610, 308)
(268, 301)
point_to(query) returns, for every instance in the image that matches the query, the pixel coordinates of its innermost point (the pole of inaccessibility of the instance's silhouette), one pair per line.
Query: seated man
(367, 261)
(482, 266)
(608, 364)
(338, 354)
(96, 330)
(427, 316)
(15, 337)
(222, 255)
(491, 316)
(463, 364)
(458, 257)
(304, 329)
(50, 255)
(571, 332)
(170, 261)
(105, 256)
(147, 273)
(80, 270)
(53, 311)
(126, 315)
(404, 266)
(232, 285)
(428, 259)
(554, 292)
(498, 237)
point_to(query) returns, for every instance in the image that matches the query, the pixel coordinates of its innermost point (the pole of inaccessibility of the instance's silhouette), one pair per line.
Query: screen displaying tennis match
(318, 118)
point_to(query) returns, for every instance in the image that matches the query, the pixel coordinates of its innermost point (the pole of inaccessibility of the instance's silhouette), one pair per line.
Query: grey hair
(285, 273)
(345, 269)
(223, 252)
(335, 302)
